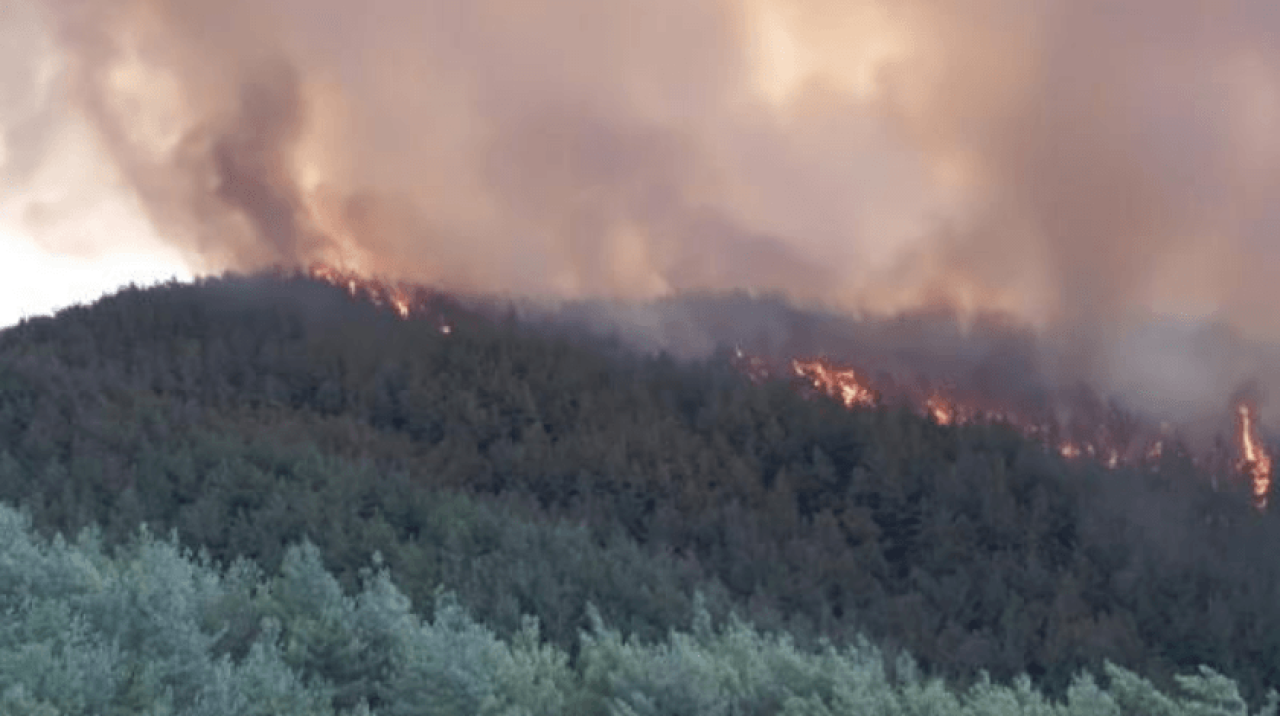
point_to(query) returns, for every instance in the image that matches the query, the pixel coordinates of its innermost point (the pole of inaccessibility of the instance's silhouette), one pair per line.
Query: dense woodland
(555, 476)
(152, 629)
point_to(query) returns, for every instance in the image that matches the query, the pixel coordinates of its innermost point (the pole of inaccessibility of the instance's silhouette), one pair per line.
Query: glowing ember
(1257, 461)
(843, 384)
(400, 302)
(406, 301)
(853, 390)
(1088, 435)
(942, 412)
(1076, 439)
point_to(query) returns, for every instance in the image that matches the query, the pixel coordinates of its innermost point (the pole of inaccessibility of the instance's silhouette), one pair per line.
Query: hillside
(153, 629)
(537, 472)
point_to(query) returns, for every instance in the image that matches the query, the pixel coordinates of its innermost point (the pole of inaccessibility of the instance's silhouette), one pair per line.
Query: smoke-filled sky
(1083, 164)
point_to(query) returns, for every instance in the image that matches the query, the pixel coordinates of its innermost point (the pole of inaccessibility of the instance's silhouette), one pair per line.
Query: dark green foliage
(534, 473)
(151, 629)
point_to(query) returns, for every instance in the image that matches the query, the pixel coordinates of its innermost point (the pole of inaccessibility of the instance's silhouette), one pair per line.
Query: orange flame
(843, 384)
(942, 411)
(1256, 461)
(854, 390)
(1080, 439)
(406, 301)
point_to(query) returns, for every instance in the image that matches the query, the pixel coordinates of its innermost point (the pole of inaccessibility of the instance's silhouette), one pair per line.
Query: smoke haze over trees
(1021, 197)
(534, 473)
(1082, 167)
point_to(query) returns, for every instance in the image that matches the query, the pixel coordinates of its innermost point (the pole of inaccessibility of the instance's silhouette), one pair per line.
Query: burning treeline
(1075, 424)
(1052, 160)
(407, 301)
(1107, 434)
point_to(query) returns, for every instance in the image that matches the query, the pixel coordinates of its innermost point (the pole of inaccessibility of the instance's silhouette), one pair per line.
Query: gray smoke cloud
(1083, 165)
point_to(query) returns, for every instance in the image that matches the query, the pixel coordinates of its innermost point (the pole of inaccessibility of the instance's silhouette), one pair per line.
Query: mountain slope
(535, 472)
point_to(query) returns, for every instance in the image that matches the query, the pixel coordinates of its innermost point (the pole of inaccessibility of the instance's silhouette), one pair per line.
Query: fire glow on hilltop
(842, 383)
(1256, 460)
(407, 301)
(1104, 436)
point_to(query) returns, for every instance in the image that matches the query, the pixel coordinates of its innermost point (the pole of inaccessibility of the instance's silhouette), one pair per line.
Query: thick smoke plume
(1083, 165)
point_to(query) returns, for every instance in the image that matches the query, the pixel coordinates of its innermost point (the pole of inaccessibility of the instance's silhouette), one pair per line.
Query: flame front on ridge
(843, 383)
(1095, 436)
(405, 300)
(1256, 460)
(853, 389)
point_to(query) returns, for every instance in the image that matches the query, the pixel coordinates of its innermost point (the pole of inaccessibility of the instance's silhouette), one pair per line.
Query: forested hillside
(153, 629)
(540, 474)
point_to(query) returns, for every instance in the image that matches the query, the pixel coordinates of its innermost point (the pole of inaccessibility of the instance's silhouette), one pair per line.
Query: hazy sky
(70, 229)
(35, 281)
(1080, 163)
(107, 242)
(1075, 162)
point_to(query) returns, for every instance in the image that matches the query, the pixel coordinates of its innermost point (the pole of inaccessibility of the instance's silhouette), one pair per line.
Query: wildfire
(406, 301)
(1087, 435)
(943, 411)
(841, 383)
(854, 390)
(1078, 438)
(949, 411)
(1256, 462)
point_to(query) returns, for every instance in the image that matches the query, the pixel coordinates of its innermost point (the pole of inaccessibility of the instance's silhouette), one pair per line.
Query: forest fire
(1093, 431)
(941, 410)
(842, 383)
(1107, 436)
(399, 298)
(406, 301)
(1256, 461)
